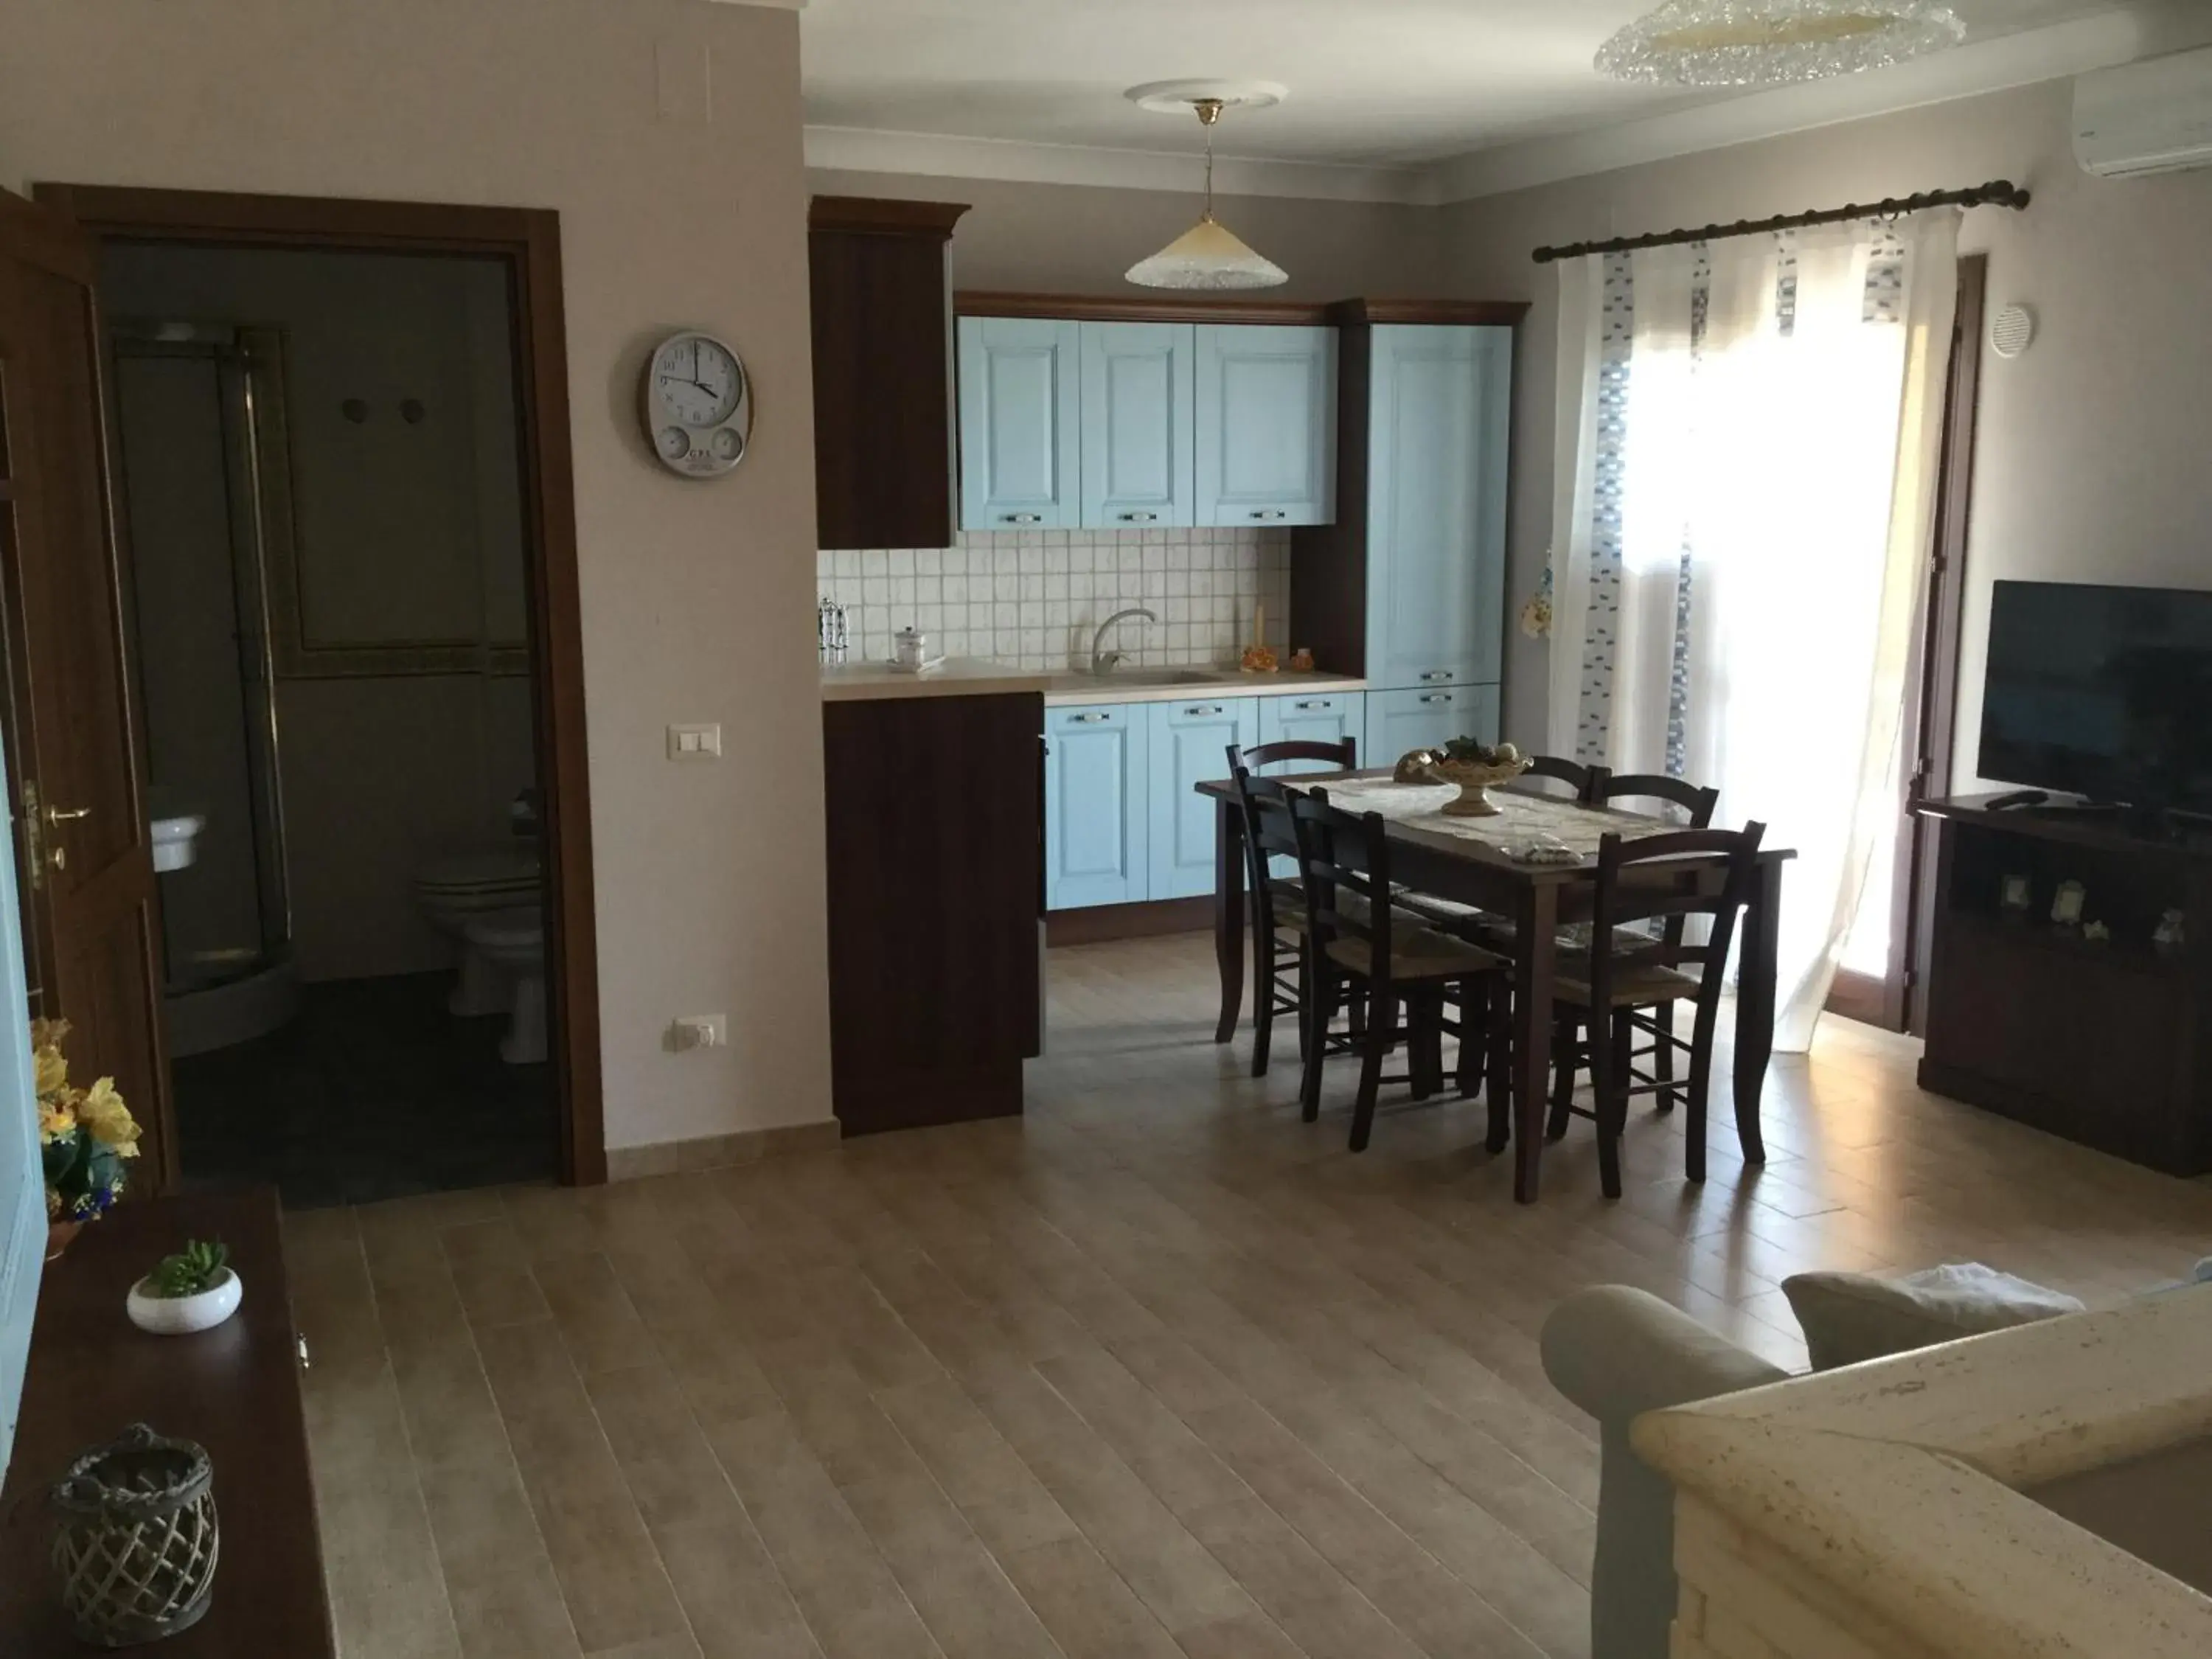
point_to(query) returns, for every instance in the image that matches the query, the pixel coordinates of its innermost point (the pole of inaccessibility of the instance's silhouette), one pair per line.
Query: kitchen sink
(1141, 677)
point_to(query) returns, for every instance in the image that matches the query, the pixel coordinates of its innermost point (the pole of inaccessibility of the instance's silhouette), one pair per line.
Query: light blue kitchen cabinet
(1021, 456)
(1189, 744)
(1314, 717)
(1138, 397)
(1096, 788)
(1267, 425)
(1427, 719)
(1439, 417)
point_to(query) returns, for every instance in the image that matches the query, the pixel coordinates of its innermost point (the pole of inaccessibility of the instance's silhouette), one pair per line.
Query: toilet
(512, 945)
(457, 890)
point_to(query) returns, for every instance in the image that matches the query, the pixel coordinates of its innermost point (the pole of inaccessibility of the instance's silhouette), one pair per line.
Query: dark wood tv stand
(2094, 1040)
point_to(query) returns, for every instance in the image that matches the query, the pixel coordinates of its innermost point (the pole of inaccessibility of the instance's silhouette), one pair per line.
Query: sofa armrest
(1618, 1353)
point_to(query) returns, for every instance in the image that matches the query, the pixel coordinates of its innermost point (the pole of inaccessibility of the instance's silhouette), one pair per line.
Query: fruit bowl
(1473, 767)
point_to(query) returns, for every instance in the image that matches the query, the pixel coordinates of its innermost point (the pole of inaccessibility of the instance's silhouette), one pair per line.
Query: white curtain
(1749, 434)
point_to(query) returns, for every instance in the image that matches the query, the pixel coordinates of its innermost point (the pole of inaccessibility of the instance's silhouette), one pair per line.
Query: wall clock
(698, 406)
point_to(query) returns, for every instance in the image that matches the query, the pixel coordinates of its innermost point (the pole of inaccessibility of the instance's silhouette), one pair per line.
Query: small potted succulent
(194, 1290)
(84, 1137)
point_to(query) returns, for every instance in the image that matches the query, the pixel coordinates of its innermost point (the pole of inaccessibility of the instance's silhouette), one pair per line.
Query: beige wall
(1080, 238)
(2092, 462)
(695, 596)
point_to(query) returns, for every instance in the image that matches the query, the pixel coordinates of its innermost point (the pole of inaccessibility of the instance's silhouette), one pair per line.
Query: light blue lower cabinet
(1427, 718)
(1189, 746)
(1316, 717)
(1097, 825)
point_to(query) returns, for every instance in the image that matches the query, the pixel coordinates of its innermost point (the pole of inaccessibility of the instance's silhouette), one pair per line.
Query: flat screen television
(2103, 692)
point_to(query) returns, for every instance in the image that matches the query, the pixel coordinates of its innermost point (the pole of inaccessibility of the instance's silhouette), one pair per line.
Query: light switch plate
(699, 1032)
(694, 742)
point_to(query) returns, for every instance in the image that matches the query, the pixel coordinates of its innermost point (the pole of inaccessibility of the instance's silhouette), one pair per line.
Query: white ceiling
(1385, 85)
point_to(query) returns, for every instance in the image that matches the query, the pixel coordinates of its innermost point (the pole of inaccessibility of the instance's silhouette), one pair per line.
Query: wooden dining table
(1471, 861)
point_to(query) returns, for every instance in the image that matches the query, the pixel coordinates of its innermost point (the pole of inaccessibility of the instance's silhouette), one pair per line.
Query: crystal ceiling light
(1751, 43)
(1207, 255)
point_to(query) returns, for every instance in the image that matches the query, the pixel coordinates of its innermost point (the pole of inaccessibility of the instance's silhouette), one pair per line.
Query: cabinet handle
(1438, 674)
(1270, 513)
(1436, 697)
(1024, 518)
(1322, 707)
(1209, 708)
(1140, 518)
(1087, 719)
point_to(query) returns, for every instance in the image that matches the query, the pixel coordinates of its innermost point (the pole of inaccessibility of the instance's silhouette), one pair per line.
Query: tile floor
(375, 1091)
(1157, 1370)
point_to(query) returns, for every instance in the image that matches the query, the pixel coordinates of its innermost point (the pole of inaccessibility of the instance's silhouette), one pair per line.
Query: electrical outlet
(698, 1031)
(694, 742)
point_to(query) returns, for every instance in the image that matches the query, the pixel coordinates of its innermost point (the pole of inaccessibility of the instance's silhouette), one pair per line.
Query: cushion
(1850, 1317)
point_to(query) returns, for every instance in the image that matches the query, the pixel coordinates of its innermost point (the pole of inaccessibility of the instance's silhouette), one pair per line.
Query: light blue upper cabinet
(1398, 721)
(1267, 425)
(1095, 818)
(1440, 410)
(1315, 717)
(1020, 420)
(1189, 744)
(1138, 380)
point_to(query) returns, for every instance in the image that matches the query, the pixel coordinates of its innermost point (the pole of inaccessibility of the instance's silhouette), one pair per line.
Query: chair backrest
(1344, 860)
(1670, 877)
(1343, 756)
(1695, 802)
(1263, 806)
(1585, 782)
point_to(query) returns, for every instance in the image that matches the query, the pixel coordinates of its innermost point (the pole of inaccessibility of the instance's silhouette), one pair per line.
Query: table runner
(1520, 818)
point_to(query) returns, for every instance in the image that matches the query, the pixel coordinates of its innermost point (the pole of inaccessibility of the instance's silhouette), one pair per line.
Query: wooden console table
(2094, 1040)
(234, 1389)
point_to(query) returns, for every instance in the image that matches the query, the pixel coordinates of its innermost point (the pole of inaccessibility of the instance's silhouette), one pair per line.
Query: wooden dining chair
(1282, 974)
(1583, 782)
(1692, 805)
(1669, 877)
(1355, 933)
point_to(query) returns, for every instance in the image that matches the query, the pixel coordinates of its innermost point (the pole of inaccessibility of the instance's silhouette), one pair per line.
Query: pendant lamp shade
(1207, 256)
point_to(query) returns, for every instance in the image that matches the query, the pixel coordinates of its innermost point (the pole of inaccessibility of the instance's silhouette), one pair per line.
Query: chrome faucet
(1102, 660)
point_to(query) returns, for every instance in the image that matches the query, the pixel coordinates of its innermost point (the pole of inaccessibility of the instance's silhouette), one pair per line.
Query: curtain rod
(1998, 192)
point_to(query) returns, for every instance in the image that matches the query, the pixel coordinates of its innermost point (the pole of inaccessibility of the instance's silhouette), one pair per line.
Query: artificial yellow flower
(56, 1120)
(52, 1070)
(102, 1111)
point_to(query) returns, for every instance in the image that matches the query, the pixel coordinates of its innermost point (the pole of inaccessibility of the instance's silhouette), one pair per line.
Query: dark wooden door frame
(1899, 999)
(529, 240)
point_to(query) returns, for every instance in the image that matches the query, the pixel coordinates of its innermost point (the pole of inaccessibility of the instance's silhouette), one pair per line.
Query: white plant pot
(181, 1316)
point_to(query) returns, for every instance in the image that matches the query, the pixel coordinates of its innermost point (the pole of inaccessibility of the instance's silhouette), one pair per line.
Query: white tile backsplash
(1034, 597)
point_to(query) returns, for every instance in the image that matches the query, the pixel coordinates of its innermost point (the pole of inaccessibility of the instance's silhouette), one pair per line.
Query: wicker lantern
(135, 1548)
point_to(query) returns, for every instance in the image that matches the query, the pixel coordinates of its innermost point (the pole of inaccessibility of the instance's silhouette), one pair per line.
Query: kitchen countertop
(957, 676)
(972, 677)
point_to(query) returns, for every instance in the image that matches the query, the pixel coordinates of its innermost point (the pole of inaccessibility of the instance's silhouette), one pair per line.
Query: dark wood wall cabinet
(936, 843)
(2094, 1039)
(234, 1389)
(882, 375)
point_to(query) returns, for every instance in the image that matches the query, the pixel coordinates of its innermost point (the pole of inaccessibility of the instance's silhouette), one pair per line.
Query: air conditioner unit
(2151, 117)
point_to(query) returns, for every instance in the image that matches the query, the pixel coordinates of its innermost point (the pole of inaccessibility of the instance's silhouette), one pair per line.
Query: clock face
(698, 380)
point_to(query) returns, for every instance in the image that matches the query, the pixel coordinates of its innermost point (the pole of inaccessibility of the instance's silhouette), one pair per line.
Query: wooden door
(1138, 382)
(1021, 457)
(1267, 424)
(82, 841)
(1400, 721)
(1436, 454)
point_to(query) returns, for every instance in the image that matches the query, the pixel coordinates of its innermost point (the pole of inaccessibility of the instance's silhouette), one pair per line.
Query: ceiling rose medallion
(1208, 255)
(1750, 43)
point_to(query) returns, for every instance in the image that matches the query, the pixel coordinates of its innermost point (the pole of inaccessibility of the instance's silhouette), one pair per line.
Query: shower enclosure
(204, 474)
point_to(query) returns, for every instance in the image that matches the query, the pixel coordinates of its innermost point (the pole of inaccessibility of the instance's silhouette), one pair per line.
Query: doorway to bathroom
(340, 445)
